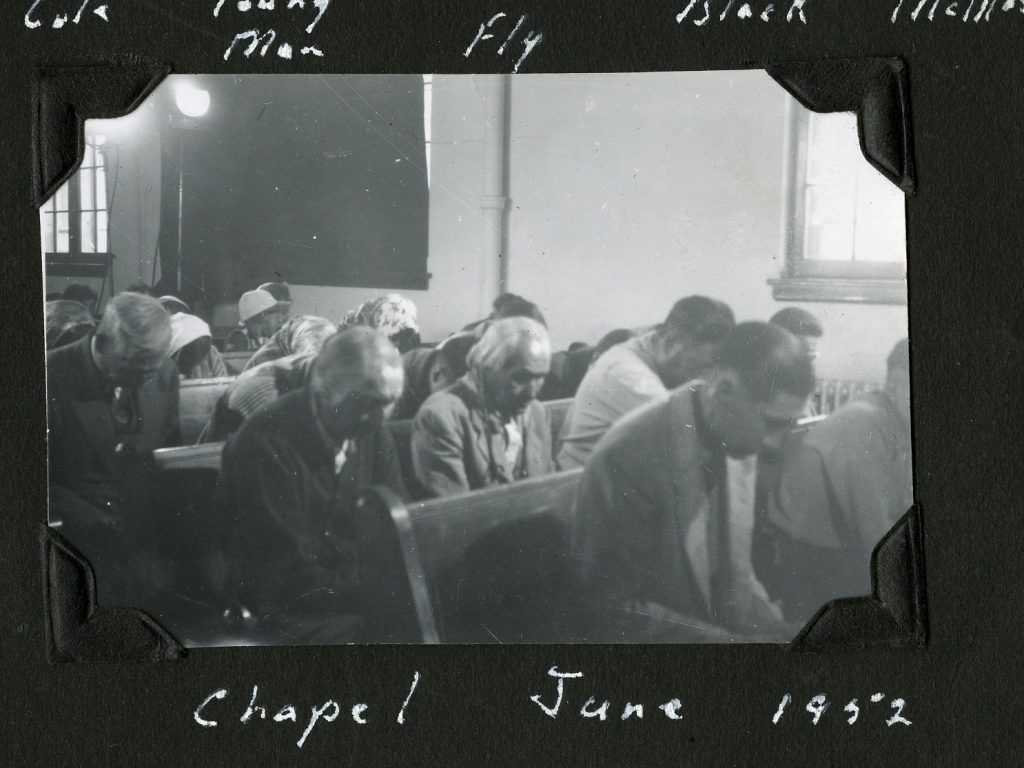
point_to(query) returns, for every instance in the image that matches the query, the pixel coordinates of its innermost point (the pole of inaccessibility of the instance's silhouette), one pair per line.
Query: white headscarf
(185, 329)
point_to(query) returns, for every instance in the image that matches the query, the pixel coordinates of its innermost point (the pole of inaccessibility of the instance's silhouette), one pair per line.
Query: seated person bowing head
(659, 548)
(290, 481)
(641, 370)
(112, 398)
(488, 427)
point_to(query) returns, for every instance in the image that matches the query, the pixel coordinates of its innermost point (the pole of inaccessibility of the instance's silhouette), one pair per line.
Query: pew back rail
(469, 555)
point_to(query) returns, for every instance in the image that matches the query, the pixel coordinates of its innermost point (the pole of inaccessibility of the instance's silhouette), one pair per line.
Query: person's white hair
(348, 355)
(137, 321)
(503, 338)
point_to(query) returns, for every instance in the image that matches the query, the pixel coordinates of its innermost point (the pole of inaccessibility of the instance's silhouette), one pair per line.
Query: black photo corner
(936, 96)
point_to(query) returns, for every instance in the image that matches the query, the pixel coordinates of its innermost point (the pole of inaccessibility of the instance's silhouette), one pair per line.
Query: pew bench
(196, 401)
(491, 565)
(235, 361)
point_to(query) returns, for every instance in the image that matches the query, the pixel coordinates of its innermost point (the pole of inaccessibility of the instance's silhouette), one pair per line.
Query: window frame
(75, 212)
(819, 280)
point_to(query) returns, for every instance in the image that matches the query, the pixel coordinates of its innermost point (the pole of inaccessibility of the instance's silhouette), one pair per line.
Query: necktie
(513, 444)
(122, 410)
(723, 586)
(342, 455)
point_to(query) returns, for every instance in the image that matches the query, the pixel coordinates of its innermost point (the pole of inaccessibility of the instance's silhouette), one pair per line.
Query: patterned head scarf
(66, 321)
(300, 335)
(391, 314)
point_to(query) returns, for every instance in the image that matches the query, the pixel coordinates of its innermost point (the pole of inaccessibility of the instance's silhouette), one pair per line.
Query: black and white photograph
(476, 359)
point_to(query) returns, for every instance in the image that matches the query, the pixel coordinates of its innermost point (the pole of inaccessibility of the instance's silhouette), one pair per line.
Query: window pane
(101, 189)
(90, 157)
(101, 232)
(62, 197)
(48, 205)
(88, 232)
(63, 238)
(881, 224)
(829, 224)
(99, 158)
(86, 189)
(833, 150)
(46, 231)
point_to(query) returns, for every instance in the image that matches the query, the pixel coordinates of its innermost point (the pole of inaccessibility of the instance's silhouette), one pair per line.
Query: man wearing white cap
(260, 315)
(192, 348)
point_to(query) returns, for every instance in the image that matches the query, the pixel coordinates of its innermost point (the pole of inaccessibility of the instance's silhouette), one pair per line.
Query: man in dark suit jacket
(660, 556)
(112, 398)
(290, 481)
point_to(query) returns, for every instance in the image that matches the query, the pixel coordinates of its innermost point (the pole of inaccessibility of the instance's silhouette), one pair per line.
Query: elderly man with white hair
(112, 398)
(290, 481)
(488, 428)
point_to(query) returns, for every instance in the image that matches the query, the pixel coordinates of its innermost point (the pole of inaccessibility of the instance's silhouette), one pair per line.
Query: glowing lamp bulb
(192, 101)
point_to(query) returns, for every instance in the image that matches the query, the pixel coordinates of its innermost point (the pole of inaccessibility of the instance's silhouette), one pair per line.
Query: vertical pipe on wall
(494, 91)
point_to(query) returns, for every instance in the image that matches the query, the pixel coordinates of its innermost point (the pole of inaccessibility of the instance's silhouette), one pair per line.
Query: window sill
(856, 291)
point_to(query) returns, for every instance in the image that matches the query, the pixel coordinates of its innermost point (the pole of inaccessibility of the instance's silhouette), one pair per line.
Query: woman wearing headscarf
(66, 321)
(192, 348)
(264, 383)
(391, 314)
(299, 335)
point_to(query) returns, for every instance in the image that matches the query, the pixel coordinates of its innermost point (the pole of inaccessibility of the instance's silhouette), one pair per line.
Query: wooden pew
(235, 361)
(489, 566)
(557, 411)
(196, 400)
(195, 601)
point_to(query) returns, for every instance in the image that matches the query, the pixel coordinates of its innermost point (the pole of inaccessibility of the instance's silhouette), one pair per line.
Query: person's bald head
(511, 360)
(132, 338)
(355, 382)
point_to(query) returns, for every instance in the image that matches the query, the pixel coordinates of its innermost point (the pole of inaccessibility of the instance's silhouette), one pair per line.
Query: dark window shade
(312, 180)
